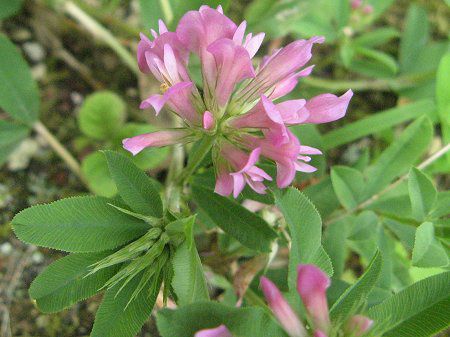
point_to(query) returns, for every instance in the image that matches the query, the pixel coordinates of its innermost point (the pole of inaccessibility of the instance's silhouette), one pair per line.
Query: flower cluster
(312, 284)
(236, 104)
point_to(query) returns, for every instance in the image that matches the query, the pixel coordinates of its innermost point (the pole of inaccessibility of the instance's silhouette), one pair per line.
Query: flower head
(312, 284)
(235, 104)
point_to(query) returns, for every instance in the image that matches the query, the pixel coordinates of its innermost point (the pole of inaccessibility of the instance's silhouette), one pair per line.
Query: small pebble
(39, 71)
(42, 321)
(6, 248)
(34, 51)
(20, 158)
(37, 257)
(76, 98)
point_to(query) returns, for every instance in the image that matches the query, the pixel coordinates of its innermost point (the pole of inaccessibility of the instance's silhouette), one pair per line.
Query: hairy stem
(101, 33)
(60, 150)
(173, 190)
(427, 162)
(196, 157)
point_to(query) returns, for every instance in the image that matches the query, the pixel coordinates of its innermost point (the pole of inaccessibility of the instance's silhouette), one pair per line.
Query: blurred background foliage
(77, 90)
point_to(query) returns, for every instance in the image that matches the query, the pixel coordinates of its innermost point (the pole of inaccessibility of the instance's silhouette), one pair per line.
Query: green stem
(101, 33)
(196, 157)
(401, 82)
(60, 150)
(173, 190)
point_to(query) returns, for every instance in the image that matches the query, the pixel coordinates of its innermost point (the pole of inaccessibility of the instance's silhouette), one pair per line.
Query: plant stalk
(173, 190)
(401, 82)
(60, 150)
(196, 157)
(101, 33)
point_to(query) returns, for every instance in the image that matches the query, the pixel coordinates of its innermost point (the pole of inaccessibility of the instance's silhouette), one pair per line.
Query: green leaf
(135, 187)
(379, 7)
(102, 115)
(365, 223)
(377, 37)
(348, 184)
(242, 322)
(441, 208)
(79, 224)
(443, 99)
(151, 11)
(399, 156)
(422, 193)
(305, 227)
(442, 84)
(404, 232)
(355, 296)
(334, 243)
(188, 280)
(245, 226)
(19, 95)
(323, 197)
(95, 170)
(9, 8)
(377, 122)
(384, 64)
(11, 134)
(420, 310)
(428, 251)
(116, 317)
(414, 38)
(63, 283)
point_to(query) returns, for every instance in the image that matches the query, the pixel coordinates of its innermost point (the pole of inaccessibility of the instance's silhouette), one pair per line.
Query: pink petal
(220, 331)
(252, 160)
(327, 107)
(162, 27)
(156, 48)
(178, 98)
(254, 44)
(171, 63)
(292, 111)
(253, 206)
(144, 45)
(312, 284)
(356, 3)
(154, 139)
(233, 64)
(309, 150)
(208, 120)
(302, 167)
(358, 325)
(158, 101)
(239, 33)
(288, 84)
(319, 333)
(287, 60)
(271, 110)
(282, 310)
(198, 29)
(238, 183)
(224, 181)
(285, 173)
(256, 171)
(257, 186)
